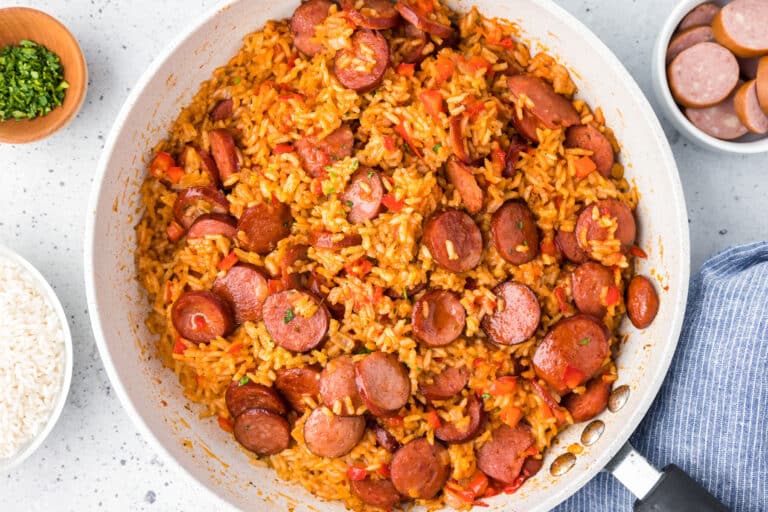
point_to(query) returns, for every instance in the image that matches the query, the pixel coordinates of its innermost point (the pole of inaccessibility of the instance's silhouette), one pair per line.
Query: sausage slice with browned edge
(328, 435)
(517, 145)
(420, 20)
(719, 121)
(263, 225)
(526, 125)
(589, 228)
(361, 66)
(592, 402)
(316, 154)
(298, 384)
(245, 289)
(502, 457)
(445, 384)
(642, 302)
(748, 108)
(741, 25)
(589, 284)
(383, 383)
(262, 432)
(303, 22)
(193, 202)
(586, 136)
(572, 352)
(376, 493)
(373, 14)
(363, 195)
(291, 255)
(461, 177)
(224, 154)
(296, 320)
(453, 240)
(200, 316)
(384, 438)
(420, 470)
(514, 233)
(703, 75)
(213, 224)
(702, 14)
(567, 242)
(251, 395)
(552, 109)
(222, 110)
(337, 384)
(333, 241)
(194, 159)
(455, 434)
(687, 38)
(518, 319)
(438, 318)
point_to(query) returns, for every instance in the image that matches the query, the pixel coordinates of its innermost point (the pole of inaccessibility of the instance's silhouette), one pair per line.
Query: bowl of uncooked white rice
(35, 359)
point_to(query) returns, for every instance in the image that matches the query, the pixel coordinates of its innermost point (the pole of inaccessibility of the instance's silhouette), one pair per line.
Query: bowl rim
(43, 286)
(655, 376)
(48, 129)
(664, 93)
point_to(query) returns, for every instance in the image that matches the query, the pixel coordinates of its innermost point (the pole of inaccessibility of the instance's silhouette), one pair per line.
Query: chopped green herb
(327, 167)
(418, 369)
(370, 174)
(355, 164)
(286, 224)
(350, 204)
(437, 147)
(363, 350)
(525, 243)
(31, 81)
(487, 396)
(289, 315)
(405, 294)
(520, 224)
(332, 174)
(243, 381)
(584, 341)
(236, 80)
(512, 251)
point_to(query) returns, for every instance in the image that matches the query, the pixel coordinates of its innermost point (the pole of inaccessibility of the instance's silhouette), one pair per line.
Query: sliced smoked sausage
(384, 438)
(514, 233)
(719, 121)
(517, 145)
(526, 125)
(702, 14)
(420, 470)
(337, 384)
(567, 242)
(586, 136)
(376, 493)
(262, 432)
(518, 319)
(438, 318)
(224, 154)
(461, 177)
(296, 320)
(263, 225)
(222, 110)
(363, 195)
(316, 154)
(245, 289)
(200, 316)
(251, 395)
(373, 14)
(553, 110)
(213, 224)
(414, 16)
(328, 435)
(589, 284)
(383, 383)
(740, 27)
(453, 240)
(687, 38)
(572, 352)
(589, 404)
(748, 108)
(454, 434)
(642, 302)
(502, 457)
(297, 384)
(194, 159)
(303, 22)
(333, 241)
(703, 75)
(193, 202)
(589, 228)
(361, 66)
(446, 384)
(291, 255)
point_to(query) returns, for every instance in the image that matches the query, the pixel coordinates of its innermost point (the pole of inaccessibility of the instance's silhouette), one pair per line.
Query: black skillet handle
(677, 492)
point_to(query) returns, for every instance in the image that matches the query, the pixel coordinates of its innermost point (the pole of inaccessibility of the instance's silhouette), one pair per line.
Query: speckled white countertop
(95, 459)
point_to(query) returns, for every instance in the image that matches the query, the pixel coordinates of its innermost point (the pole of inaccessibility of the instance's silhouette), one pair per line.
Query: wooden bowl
(17, 23)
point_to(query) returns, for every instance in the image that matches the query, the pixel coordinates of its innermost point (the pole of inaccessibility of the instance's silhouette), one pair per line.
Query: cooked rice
(255, 78)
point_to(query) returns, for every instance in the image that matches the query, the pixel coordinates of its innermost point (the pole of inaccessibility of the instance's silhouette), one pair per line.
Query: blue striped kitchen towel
(711, 415)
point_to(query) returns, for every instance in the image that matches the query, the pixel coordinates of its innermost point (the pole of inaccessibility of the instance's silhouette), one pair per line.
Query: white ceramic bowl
(66, 379)
(118, 307)
(748, 144)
